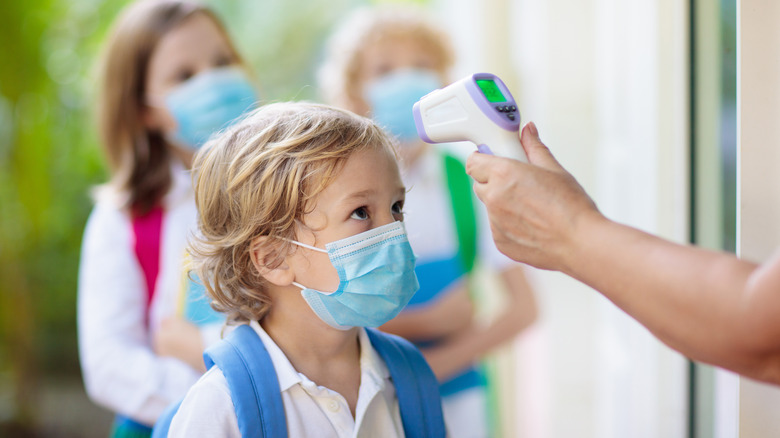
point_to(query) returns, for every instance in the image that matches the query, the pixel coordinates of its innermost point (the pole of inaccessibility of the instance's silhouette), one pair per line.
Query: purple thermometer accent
(485, 106)
(485, 149)
(418, 122)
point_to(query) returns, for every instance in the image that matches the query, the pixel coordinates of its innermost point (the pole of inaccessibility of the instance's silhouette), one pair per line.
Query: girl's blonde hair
(344, 49)
(138, 159)
(259, 178)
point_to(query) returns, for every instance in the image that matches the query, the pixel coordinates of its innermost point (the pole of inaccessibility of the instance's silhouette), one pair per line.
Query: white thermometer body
(478, 108)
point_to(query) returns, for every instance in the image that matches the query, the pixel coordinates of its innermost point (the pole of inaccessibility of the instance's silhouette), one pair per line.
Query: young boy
(301, 238)
(380, 61)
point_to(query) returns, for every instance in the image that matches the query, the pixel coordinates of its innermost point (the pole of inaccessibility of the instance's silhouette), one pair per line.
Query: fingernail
(532, 128)
(523, 131)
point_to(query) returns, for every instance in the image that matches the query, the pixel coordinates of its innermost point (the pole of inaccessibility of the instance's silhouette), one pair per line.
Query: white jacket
(121, 372)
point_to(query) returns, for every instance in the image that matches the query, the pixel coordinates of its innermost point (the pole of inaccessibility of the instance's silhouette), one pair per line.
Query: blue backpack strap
(253, 384)
(251, 377)
(415, 385)
(163, 423)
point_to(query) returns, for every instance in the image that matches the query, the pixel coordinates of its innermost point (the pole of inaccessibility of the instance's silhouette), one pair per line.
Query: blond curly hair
(259, 178)
(341, 68)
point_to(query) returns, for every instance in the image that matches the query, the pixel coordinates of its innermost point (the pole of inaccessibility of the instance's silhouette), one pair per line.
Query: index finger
(478, 166)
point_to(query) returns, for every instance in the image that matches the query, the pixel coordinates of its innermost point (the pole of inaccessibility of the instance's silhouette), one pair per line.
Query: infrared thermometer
(478, 108)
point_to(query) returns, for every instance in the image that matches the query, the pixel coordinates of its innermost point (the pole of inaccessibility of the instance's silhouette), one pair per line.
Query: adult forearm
(692, 299)
(708, 305)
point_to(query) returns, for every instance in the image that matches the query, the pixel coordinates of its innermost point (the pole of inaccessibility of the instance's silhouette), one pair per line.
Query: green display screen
(491, 90)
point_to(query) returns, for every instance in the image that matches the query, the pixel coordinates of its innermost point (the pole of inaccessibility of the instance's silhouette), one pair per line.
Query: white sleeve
(207, 410)
(121, 372)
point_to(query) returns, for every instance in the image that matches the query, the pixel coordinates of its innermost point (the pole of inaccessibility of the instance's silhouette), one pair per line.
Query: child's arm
(180, 339)
(521, 300)
(195, 326)
(469, 346)
(449, 314)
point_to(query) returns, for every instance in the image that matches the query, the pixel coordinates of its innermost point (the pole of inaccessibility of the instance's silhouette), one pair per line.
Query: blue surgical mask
(377, 279)
(392, 96)
(209, 102)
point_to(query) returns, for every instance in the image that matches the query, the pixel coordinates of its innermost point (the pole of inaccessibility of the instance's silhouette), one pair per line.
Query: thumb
(538, 154)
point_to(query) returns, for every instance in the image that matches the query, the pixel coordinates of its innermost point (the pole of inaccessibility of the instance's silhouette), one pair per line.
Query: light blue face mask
(208, 102)
(377, 279)
(392, 96)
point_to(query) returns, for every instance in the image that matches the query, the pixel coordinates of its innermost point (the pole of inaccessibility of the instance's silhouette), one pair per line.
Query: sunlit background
(49, 159)
(636, 98)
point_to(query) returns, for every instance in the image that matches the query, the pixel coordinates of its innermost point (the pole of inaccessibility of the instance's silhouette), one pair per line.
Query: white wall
(605, 82)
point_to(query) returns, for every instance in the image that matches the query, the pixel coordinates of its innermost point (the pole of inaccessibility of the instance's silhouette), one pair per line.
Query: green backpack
(462, 200)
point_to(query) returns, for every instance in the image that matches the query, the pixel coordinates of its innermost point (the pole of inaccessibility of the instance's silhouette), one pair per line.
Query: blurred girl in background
(379, 62)
(170, 77)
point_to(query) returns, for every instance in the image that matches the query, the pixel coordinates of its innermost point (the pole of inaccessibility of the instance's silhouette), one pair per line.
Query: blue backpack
(257, 398)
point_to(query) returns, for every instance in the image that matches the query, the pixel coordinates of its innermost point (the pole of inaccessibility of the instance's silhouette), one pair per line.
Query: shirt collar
(284, 369)
(371, 364)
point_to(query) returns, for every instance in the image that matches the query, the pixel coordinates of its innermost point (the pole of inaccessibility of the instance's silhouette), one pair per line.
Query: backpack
(147, 237)
(463, 209)
(257, 398)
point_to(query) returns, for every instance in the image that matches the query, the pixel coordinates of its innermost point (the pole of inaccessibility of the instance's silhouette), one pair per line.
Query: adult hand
(535, 209)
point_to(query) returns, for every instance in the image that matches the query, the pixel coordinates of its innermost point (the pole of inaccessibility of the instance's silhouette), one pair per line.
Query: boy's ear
(269, 265)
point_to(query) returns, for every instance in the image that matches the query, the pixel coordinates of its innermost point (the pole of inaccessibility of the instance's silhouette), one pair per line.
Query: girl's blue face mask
(392, 96)
(209, 102)
(377, 279)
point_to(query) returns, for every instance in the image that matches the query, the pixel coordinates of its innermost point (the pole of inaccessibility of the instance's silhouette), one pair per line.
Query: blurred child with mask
(170, 77)
(379, 62)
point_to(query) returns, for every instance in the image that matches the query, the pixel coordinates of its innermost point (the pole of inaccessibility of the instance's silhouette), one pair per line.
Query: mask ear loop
(313, 248)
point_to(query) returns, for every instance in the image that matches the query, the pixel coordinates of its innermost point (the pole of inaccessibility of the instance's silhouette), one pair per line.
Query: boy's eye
(183, 75)
(382, 69)
(424, 63)
(360, 213)
(223, 59)
(398, 208)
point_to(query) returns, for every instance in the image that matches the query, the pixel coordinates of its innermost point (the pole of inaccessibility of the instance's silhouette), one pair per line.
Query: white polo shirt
(311, 410)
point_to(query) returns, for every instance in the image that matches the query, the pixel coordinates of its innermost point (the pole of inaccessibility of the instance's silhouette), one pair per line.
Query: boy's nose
(384, 219)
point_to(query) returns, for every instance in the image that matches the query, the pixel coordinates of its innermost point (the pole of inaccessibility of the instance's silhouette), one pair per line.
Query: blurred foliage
(49, 158)
(282, 41)
(728, 127)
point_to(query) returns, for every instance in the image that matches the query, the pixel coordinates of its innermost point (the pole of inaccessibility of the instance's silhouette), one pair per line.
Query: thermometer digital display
(478, 108)
(490, 90)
